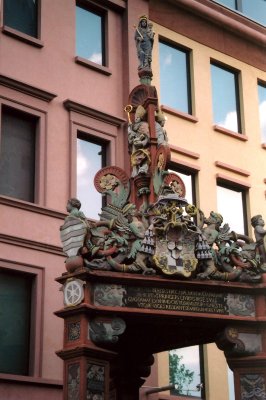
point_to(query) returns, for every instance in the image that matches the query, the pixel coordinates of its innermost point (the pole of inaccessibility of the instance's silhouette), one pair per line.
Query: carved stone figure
(144, 37)
(231, 259)
(260, 235)
(160, 130)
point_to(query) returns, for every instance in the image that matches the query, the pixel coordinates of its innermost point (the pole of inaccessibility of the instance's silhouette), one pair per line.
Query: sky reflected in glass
(262, 111)
(191, 360)
(224, 98)
(230, 205)
(227, 3)
(231, 385)
(89, 161)
(174, 78)
(255, 9)
(89, 35)
(187, 179)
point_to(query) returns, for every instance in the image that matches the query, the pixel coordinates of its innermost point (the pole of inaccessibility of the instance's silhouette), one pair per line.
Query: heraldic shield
(175, 253)
(73, 234)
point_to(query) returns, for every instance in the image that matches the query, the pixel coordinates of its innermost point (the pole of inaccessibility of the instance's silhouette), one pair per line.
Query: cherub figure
(73, 208)
(260, 235)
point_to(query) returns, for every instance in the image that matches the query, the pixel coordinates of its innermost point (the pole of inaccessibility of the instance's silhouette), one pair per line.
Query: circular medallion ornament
(176, 184)
(73, 292)
(162, 158)
(109, 177)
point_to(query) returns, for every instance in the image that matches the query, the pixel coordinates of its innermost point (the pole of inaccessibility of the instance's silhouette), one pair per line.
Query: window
(15, 299)
(262, 110)
(231, 204)
(225, 97)
(186, 371)
(90, 43)
(175, 88)
(17, 154)
(91, 157)
(22, 15)
(189, 180)
(255, 9)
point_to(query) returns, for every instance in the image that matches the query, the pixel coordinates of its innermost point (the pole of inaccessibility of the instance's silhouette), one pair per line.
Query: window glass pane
(255, 9)
(188, 181)
(262, 111)
(228, 3)
(174, 78)
(15, 300)
(90, 158)
(225, 98)
(231, 385)
(230, 205)
(185, 371)
(22, 15)
(17, 155)
(89, 38)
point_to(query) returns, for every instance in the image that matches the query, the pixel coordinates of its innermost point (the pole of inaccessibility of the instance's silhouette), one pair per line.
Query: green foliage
(179, 374)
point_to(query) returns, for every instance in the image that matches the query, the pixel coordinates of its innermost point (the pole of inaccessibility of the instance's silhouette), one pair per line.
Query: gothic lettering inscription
(176, 300)
(154, 298)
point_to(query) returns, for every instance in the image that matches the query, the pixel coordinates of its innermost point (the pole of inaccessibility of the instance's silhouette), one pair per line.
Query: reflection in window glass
(231, 384)
(255, 10)
(17, 156)
(262, 111)
(90, 158)
(188, 180)
(228, 3)
(185, 371)
(89, 36)
(226, 111)
(174, 78)
(15, 300)
(231, 205)
(22, 15)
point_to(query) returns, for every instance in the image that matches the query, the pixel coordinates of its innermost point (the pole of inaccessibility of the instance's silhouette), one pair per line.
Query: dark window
(254, 9)
(15, 300)
(91, 157)
(225, 97)
(175, 88)
(186, 371)
(17, 154)
(22, 15)
(262, 110)
(231, 204)
(90, 43)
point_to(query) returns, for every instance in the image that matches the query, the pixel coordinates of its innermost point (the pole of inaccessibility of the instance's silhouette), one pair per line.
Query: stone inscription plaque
(174, 300)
